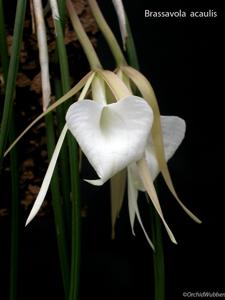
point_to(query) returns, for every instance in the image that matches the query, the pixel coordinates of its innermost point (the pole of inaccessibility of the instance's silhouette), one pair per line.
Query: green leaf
(12, 73)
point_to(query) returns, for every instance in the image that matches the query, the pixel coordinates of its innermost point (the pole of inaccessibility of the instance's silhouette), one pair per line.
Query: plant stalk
(74, 220)
(158, 256)
(83, 38)
(76, 230)
(108, 34)
(15, 224)
(60, 89)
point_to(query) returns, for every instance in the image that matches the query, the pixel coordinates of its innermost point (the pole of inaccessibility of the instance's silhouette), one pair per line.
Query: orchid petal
(149, 186)
(48, 176)
(98, 90)
(132, 198)
(116, 85)
(173, 130)
(117, 188)
(111, 136)
(133, 207)
(84, 81)
(148, 93)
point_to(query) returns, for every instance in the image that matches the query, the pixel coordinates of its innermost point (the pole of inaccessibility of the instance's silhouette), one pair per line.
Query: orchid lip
(111, 136)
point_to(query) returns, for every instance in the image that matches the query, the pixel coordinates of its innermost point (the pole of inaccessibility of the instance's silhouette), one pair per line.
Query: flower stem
(75, 246)
(158, 256)
(14, 217)
(61, 49)
(61, 88)
(74, 218)
(82, 37)
(130, 46)
(108, 34)
(62, 10)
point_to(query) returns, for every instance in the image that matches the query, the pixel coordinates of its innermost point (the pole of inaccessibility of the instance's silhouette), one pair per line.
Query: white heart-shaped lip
(111, 136)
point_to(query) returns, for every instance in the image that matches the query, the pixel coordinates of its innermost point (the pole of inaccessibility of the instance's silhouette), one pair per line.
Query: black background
(184, 62)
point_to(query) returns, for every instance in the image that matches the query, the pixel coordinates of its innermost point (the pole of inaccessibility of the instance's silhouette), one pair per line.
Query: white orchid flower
(119, 136)
(112, 136)
(116, 136)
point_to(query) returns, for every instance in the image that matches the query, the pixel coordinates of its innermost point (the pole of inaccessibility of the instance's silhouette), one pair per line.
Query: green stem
(57, 207)
(3, 49)
(75, 248)
(74, 165)
(108, 34)
(62, 89)
(62, 10)
(158, 256)
(12, 72)
(14, 216)
(63, 60)
(83, 38)
(130, 48)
